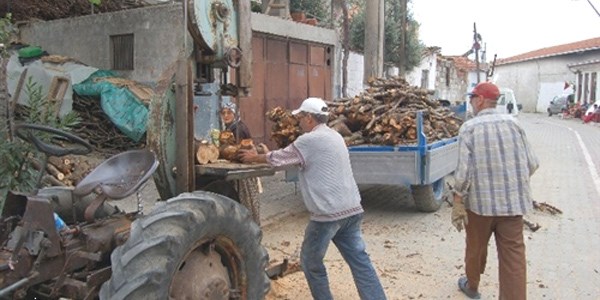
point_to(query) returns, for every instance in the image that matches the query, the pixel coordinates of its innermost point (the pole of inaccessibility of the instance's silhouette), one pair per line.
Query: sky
(507, 27)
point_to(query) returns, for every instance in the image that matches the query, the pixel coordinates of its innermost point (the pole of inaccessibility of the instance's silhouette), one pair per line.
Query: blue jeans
(347, 237)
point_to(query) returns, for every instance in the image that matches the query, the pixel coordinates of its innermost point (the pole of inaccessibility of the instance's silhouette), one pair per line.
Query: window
(122, 51)
(593, 86)
(501, 100)
(447, 76)
(579, 84)
(586, 87)
(424, 79)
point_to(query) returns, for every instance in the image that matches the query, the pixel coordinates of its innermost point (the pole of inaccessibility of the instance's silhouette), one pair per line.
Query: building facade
(538, 76)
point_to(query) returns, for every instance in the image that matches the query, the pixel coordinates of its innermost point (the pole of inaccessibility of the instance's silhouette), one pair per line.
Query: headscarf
(231, 106)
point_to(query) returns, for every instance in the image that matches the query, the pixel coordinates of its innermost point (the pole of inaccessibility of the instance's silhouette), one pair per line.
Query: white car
(507, 96)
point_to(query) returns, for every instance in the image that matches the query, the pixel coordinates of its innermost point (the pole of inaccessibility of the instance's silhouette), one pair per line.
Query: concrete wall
(158, 35)
(356, 66)
(451, 83)
(536, 82)
(428, 63)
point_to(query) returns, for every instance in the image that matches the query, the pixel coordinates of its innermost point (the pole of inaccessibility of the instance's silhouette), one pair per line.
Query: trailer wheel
(195, 246)
(428, 197)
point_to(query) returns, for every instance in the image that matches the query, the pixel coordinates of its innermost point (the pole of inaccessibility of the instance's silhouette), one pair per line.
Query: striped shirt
(494, 165)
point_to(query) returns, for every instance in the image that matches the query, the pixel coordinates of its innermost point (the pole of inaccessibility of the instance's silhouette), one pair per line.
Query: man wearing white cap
(331, 196)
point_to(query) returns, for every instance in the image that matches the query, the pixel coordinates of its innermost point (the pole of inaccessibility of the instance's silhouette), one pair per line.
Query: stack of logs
(285, 127)
(383, 114)
(64, 171)
(96, 128)
(227, 149)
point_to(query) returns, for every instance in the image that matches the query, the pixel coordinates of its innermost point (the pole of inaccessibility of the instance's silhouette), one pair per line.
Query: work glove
(459, 216)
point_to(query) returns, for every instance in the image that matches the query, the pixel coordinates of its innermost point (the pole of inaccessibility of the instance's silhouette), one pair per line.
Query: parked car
(508, 96)
(559, 104)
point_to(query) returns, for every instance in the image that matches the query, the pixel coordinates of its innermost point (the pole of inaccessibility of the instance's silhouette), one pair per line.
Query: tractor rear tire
(195, 246)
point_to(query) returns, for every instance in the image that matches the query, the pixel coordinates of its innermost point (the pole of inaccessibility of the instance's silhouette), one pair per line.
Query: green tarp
(121, 106)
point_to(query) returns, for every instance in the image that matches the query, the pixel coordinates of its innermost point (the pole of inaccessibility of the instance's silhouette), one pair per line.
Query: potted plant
(297, 10)
(311, 8)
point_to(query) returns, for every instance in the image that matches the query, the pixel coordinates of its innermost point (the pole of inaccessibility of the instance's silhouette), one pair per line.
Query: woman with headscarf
(232, 122)
(248, 189)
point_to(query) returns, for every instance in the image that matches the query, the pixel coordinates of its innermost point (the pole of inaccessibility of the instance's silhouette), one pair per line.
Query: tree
(393, 32)
(6, 32)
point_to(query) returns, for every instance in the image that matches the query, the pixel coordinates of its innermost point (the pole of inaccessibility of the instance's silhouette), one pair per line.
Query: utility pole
(476, 47)
(373, 64)
(403, 32)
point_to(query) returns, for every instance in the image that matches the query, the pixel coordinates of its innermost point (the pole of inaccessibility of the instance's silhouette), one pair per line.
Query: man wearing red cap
(492, 193)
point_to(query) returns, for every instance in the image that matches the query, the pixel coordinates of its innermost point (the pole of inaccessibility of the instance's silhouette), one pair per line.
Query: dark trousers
(508, 233)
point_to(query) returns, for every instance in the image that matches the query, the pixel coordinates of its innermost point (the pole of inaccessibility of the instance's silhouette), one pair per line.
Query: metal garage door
(285, 72)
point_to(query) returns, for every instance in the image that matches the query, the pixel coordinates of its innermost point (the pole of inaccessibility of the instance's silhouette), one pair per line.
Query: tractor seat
(119, 176)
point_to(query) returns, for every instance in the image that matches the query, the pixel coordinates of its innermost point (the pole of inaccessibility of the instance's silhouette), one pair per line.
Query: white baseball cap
(314, 106)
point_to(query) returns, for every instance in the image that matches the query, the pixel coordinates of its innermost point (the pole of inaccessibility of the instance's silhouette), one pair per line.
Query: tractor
(198, 243)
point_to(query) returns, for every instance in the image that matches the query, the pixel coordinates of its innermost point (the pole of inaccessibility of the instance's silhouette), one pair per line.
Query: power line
(592, 5)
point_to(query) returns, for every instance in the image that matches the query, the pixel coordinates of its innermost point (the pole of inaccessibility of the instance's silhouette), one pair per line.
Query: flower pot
(298, 16)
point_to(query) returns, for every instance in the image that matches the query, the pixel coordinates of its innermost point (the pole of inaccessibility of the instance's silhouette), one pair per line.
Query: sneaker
(463, 284)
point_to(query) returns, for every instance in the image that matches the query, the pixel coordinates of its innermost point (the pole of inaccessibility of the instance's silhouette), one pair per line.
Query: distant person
(509, 107)
(492, 194)
(594, 116)
(331, 196)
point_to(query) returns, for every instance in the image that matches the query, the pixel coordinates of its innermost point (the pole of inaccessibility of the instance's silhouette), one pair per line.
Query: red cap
(486, 90)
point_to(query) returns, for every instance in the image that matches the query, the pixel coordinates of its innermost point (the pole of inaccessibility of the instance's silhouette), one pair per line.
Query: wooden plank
(17, 93)
(56, 93)
(231, 171)
(183, 135)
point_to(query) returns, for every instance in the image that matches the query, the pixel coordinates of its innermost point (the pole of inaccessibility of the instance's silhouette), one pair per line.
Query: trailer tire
(195, 246)
(428, 197)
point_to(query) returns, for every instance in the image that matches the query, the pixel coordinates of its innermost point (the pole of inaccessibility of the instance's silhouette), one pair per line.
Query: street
(420, 256)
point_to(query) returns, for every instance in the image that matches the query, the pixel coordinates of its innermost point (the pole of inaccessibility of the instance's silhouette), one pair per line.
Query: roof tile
(590, 44)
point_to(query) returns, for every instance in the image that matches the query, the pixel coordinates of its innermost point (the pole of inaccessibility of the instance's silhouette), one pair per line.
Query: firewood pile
(96, 128)
(285, 127)
(68, 170)
(386, 113)
(383, 114)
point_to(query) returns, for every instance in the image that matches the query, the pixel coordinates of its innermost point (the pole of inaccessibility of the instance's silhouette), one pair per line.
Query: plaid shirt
(494, 165)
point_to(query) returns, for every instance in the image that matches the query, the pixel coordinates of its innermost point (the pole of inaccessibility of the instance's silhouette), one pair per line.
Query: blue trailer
(422, 167)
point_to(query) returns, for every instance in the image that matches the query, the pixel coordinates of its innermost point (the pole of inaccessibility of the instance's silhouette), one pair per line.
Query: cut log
(54, 172)
(229, 152)
(59, 164)
(207, 153)
(247, 144)
(226, 138)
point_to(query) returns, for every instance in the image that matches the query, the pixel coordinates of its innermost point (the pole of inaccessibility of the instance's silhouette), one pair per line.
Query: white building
(537, 76)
